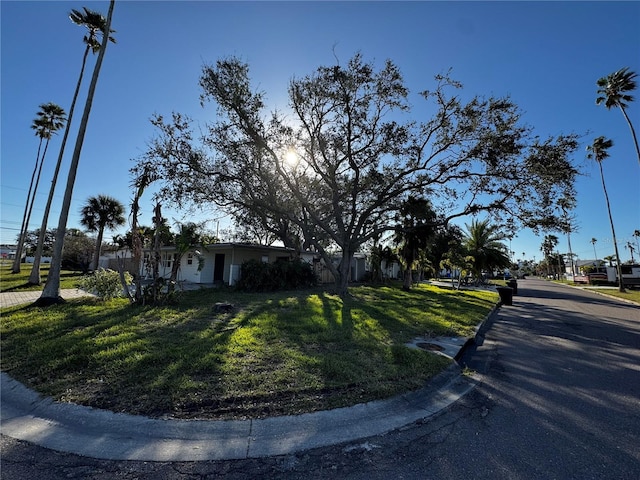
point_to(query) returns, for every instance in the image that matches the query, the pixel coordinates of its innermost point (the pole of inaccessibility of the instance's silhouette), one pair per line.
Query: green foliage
(483, 242)
(361, 151)
(105, 284)
(264, 277)
(78, 250)
(31, 241)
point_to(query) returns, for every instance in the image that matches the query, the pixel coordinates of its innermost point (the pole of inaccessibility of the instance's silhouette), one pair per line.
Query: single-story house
(220, 263)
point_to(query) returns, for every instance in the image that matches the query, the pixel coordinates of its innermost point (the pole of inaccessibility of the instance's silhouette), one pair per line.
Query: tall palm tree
(613, 92)
(483, 242)
(598, 152)
(566, 204)
(631, 248)
(99, 213)
(593, 242)
(50, 118)
(18, 258)
(95, 24)
(51, 290)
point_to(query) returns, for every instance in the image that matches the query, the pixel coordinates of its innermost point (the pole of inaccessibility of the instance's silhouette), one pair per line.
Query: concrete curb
(102, 434)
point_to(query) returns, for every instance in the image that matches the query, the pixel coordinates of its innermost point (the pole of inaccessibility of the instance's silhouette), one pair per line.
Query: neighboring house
(597, 274)
(357, 272)
(8, 251)
(391, 269)
(32, 259)
(220, 263)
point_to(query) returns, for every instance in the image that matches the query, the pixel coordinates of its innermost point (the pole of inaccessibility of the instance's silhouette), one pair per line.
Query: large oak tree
(333, 172)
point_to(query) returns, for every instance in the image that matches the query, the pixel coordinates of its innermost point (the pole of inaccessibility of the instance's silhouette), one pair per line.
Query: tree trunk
(407, 279)
(15, 268)
(633, 132)
(34, 278)
(175, 267)
(613, 232)
(51, 291)
(343, 271)
(123, 280)
(96, 254)
(33, 198)
(136, 245)
(573, 271)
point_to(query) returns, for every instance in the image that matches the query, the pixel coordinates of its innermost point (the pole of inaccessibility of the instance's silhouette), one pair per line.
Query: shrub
(105, 284)
(258, 276)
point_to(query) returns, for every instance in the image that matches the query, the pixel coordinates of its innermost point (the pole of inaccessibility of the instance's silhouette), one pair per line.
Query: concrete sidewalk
(11, 299)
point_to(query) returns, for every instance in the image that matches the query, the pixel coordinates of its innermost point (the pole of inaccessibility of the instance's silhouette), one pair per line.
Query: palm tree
(565, 205)
(414, 233)
(18, 258)
(51, 290)
(598, 152)
(99, 213)
(613, 93)
(50, 118)
(95, 24)
(593, 242)
(483, 242)
(631, 248)
(610, 259)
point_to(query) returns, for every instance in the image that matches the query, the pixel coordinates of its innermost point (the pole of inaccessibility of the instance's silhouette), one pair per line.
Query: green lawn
(277, 353)
(18, 281)
(633, 295)
(629, 294)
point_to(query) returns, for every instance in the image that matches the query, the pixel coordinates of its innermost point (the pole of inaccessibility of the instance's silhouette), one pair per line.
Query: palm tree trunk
(613, 232)
(24, 227)
(573, 272)
(96, 254)
(633, 132)
(34, 277)
(51, 291)
(35, 191)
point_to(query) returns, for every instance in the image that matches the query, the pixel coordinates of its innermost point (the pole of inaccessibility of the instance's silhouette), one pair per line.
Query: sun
(291, 158)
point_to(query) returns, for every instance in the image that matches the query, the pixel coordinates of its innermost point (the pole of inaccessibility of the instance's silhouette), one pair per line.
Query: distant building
(8, 252)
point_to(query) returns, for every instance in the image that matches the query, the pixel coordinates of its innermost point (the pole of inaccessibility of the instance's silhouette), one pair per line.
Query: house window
(167, 260)
(189, 259)
(265, 259)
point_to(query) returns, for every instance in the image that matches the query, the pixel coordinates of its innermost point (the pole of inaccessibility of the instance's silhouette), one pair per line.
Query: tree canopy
(333, 173)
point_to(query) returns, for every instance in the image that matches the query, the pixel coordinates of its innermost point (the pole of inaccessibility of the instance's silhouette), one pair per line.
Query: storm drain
(430, 346)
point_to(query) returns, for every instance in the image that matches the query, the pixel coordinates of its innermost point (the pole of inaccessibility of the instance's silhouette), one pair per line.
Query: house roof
(221, 246)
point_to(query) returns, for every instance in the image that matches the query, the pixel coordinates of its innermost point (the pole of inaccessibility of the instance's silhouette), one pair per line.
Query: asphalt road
(558, 397)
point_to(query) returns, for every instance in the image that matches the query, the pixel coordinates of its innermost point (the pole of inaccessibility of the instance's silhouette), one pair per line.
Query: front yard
(273, 354)
(18, 281)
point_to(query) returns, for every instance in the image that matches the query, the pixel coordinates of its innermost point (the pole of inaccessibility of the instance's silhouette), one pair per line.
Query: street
(558, 396)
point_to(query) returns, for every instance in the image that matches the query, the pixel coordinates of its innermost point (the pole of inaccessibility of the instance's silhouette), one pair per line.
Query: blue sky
(546, 55)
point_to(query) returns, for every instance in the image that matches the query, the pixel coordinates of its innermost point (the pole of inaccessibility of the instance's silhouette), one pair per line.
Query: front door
(218, 268)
